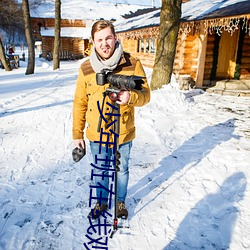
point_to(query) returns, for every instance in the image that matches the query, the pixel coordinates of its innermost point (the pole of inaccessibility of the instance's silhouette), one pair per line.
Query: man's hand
(79, 143)
(123, 97)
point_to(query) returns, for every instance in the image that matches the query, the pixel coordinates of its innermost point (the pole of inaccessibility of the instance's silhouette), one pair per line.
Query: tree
(10, 24)
(3, 57)
(11, 19)
(168, 34)
(56, 59)
(29, 39)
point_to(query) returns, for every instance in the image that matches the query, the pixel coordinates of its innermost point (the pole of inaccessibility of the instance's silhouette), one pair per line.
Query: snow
(189, 168)
(81, 32)
(155, 3)
(86, 10)
(192, 10)
(145, 20)
(197, 9)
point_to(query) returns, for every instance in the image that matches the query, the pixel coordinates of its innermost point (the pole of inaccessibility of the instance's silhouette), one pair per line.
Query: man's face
(104, 42)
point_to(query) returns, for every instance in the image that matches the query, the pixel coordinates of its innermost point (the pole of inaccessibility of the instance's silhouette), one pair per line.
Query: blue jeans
(123, 174)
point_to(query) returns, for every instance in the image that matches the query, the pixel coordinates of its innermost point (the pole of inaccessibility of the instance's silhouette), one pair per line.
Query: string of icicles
(217, 25)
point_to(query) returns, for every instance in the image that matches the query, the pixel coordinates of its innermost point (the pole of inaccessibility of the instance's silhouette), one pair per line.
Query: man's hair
(101, 24)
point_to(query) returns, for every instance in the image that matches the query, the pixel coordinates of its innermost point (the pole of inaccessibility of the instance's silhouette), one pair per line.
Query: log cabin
(213, 41)
(74, 37)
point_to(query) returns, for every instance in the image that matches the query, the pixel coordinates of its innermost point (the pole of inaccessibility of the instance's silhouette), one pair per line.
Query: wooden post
(201, 60)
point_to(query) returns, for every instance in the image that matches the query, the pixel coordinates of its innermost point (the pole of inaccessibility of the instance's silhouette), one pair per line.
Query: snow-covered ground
(189, 168)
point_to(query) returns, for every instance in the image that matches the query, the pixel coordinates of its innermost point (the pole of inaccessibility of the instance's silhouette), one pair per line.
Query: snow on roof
(192, 10)
(85, 10)
(145, 20)
(197, 9)
(79, 32)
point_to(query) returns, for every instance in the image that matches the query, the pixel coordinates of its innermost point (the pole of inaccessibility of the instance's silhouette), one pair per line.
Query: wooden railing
(64, 55)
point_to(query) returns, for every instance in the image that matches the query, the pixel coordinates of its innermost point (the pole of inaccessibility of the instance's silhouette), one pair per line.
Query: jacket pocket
(127, 120)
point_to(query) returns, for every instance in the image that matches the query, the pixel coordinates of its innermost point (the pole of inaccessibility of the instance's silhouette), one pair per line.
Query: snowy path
(36, 148)
(189, 171)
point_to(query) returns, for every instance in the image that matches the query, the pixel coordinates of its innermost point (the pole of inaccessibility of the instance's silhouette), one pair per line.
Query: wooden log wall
(190, 56)
(73, 45)
(209, 58)
(66, 44)
(146, 59)
(47, 45)
(185, 59)
(50, 22)
(186, 55)
(79, 46)
(131, 46)
(178, 61)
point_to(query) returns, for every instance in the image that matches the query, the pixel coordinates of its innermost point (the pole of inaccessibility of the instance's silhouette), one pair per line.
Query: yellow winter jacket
(88, 93)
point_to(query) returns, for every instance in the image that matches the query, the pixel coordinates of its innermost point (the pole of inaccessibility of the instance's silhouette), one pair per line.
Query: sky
(189, 168)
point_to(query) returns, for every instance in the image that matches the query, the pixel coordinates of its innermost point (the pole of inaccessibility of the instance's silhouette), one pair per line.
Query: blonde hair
(100, 25)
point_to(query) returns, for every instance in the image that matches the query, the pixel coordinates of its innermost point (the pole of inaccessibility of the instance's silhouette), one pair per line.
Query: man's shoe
(97, 210)
(122, 211)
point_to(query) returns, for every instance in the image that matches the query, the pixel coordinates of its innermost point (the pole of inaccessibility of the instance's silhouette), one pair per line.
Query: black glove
(78, 153)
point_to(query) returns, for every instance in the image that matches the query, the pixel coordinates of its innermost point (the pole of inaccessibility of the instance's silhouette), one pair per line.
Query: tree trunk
(28, 33)
(3, 57)
(168, 34)
(56, 59)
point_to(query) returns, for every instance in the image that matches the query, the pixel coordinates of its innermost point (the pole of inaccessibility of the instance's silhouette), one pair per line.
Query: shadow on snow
(23, 110)
(190, 153)
(210, 223)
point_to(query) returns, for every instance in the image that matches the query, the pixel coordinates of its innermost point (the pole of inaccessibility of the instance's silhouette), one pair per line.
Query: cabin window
(140, 45)
(146, 45)
(152, 45)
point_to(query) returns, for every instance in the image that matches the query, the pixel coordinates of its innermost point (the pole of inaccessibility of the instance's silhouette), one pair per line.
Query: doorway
(227, 55)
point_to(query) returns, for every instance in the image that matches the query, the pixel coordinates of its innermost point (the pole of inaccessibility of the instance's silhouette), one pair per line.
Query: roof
(79, 32)
(193, 10)
(208, 9)
(146, 20)
(85, 10)
(232, 10)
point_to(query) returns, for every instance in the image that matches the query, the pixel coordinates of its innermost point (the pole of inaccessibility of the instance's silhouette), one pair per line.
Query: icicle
(216, 25)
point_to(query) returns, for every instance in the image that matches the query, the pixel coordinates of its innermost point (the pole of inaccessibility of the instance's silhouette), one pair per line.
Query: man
(108, 54)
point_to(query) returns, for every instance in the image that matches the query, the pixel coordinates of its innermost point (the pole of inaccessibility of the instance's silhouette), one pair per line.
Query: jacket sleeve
(139, 98)
(80, 105)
